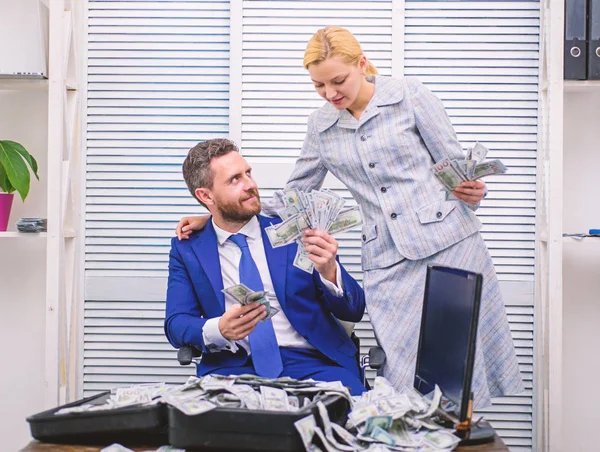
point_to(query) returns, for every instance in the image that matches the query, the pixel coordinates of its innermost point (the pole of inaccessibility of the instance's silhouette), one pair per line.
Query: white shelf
(15, 234)
(577, 86)
(587, 240)
(23, 83)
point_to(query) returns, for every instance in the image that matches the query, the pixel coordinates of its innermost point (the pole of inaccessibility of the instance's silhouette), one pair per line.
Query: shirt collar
(388, 91)
(251, 230)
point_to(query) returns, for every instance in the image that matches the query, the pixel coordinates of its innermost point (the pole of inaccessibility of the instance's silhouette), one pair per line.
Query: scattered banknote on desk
(451, 173)
(320, 209)
(382, 419)
(244, 295)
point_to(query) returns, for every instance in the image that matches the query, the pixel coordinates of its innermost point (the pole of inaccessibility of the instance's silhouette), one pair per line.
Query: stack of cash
(31, 225)
(244, 295)
(381, 420)
(200, 395)
(451, 173)
(320, 209)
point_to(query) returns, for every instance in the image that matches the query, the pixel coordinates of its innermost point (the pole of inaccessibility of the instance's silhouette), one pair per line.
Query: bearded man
(304, 339)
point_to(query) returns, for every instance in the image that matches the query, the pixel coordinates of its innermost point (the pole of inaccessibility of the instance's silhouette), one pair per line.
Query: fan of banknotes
(320, 209)
(451, 173)
(244, 295)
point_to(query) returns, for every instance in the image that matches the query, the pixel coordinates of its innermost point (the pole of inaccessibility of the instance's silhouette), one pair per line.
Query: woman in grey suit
(380, 136)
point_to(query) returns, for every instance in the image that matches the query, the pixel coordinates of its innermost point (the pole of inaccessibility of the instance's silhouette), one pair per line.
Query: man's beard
(235, 212)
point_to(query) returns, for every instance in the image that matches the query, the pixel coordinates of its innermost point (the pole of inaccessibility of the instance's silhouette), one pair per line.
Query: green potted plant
(14, 176)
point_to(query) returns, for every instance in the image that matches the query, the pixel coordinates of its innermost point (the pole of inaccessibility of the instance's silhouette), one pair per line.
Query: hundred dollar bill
(248, 395)
(441, 439)
(382, 436)
(435, 403)
(291, 198)
(270, 313)
(306, 429)
(346, 220)
(360, 414)
(447, 174)
(302, 261)
(239, 292)
(283, 233)
(385, 422)
(274, 399)
(116, 447)
(194, 407)
(489, 168)
(288, 212)
(479, 152)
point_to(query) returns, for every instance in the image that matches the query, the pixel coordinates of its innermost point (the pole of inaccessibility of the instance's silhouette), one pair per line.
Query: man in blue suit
(305, 339)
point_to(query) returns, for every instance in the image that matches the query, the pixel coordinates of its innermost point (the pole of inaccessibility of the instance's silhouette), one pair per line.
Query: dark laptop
(447, 339)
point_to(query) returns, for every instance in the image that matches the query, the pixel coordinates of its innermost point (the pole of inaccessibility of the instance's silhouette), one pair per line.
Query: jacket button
(383, 189)
(364, 237)
(439, 214)
(393, 216)
(363, 138)
(371, 165)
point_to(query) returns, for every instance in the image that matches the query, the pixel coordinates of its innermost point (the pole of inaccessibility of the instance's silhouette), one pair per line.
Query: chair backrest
(448, 335)
(348, 326)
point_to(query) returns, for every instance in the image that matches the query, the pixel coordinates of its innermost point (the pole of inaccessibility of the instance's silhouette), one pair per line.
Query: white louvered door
(164, 75)
(481, 59)
(277, 94)
(158, 76)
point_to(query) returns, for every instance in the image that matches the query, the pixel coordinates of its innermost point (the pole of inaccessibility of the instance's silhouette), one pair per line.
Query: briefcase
(238, 429)
(130, 425)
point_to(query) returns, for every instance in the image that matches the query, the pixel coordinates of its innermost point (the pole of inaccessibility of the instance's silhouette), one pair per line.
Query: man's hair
(196, 167)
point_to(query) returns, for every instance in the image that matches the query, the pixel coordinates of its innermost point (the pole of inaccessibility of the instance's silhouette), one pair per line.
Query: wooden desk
(35, 446)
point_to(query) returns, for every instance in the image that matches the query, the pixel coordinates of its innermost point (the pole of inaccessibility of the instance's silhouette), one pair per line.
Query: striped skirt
(394, 302)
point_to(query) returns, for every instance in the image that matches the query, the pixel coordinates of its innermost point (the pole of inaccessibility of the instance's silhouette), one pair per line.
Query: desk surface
(35, 446)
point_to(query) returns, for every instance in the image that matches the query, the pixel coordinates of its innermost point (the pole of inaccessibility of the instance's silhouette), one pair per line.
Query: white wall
(23, 118)
(581, 272)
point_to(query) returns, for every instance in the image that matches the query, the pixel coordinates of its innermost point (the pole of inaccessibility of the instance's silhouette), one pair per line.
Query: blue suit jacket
(194, 295)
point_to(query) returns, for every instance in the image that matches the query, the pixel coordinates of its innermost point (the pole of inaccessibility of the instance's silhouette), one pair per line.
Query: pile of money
(200, 395)
(32, 225)
(244, 295)
(381, 420)
(320, 209)
(142, 394)
(451, 173)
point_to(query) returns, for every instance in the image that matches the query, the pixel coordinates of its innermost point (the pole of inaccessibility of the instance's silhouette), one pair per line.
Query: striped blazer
(384, 159)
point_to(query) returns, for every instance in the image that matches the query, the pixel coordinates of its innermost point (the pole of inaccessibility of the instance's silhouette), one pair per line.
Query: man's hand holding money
(322, 249)
(239, 321)
(471, 192)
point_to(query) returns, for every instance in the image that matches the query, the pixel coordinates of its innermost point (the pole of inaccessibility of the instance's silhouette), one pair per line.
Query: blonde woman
(380, 136)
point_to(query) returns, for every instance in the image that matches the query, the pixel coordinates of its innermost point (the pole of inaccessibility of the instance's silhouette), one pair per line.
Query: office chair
(375, 359)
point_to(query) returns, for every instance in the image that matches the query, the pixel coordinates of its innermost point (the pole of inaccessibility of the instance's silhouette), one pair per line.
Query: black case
(130, 426)
(236, 429)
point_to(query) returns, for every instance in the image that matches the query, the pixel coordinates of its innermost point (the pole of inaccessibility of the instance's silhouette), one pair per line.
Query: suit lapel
(276, 261)
(206, 250)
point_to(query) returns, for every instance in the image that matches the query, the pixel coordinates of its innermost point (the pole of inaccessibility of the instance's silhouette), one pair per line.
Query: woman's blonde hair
(335, 42)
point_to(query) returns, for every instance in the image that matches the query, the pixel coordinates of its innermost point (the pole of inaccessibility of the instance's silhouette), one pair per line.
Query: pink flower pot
(5, 205)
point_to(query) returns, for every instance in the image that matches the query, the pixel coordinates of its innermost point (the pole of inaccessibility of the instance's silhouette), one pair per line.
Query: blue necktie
(263, 343)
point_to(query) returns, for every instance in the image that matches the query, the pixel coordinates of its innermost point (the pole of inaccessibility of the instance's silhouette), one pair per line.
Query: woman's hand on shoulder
(471, 191)
(187, 225)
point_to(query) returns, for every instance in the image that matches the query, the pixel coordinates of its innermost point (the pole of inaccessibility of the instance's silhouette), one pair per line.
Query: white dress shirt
(229, 257)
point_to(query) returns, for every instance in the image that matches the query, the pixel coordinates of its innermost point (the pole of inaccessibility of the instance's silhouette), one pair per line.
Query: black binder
(594, 40)
(575, 40)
